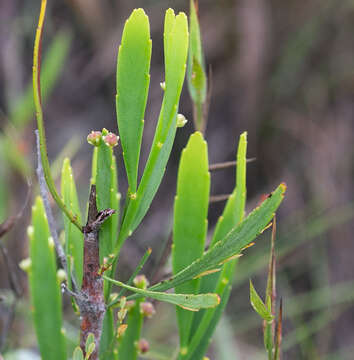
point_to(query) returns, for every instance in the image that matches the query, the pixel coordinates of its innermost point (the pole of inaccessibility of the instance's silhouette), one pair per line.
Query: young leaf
(176, 47)
(90, 340)
(232, 244)
(78, 355)
(186, 301)
(190, 220)
(44, 287)
(73, 236)
(258, 304)
(133, 79)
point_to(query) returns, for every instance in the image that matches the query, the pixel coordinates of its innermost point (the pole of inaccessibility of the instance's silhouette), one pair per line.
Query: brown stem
(91, 303)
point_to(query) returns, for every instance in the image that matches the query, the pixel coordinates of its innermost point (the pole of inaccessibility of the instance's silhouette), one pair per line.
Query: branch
(39, 116)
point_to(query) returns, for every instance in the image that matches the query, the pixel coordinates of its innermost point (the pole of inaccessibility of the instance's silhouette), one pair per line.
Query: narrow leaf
(44, 288)
(186, 301)
(258, 304)
(190, 220)
(133, 79)
(127, 349)
(176, 46)
(232, 244)
(73, 236)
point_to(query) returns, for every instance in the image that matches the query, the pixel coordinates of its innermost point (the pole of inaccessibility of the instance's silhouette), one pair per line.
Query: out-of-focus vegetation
(280, 70)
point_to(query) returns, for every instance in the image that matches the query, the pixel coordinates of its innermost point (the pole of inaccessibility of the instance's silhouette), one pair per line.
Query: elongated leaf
(44, 288)
(132, 89)
(108, 340)
(258, 304)
(190, 220)
(186, 301)
(74, 245)
(127, 348)
(232, 215)
(196, 76)
(198, 346)
(232, 244)
(176, 46)
(22, 109)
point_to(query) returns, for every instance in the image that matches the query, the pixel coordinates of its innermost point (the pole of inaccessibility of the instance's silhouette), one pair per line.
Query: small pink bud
(111, 139)
(143, 346)
(141, 282)
(94, 138)
(147, 309)
(129, 304)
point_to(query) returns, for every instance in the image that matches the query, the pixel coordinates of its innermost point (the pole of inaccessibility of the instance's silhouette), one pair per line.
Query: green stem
(39, 116)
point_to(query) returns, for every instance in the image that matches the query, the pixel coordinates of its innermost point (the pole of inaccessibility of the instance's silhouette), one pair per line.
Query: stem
(39, 116)
(92, 305)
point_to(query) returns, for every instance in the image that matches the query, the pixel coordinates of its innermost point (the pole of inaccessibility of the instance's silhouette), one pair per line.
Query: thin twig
(227, 164)
(51, 222)
(218, 198)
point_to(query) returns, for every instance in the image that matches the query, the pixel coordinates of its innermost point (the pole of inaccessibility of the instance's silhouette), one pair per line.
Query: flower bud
(147, 309)
(181, 120)
(94, 138)
(143, 346)
(61, 275)
(25, 264)
(111, 139)
(141, 282)
(129, 304)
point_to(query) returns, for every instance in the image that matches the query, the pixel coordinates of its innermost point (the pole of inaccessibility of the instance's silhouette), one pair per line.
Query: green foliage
(74, 246)
(258, 305)
(196, 76)
(205, 322)
(186, 301)
(201, 279)
(190, 220)
(133, 79)
(127, 345)
(45, 288)
(175, 46)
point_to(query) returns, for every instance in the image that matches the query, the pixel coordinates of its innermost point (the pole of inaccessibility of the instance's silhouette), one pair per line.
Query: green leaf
(22, 110)
(258, 304)
(231, 216)
(78, 355)
(133, 79)
(74, 242)
(45, 288)
(176, 46)
(200, 342)
(186, 301)
(196, 76)
(127, 349)
(90, 340)
(190, 220)
(107, 341)
(115, 201)
(231, 245)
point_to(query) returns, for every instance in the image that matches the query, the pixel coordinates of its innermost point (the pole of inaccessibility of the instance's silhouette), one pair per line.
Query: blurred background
(281, 70)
